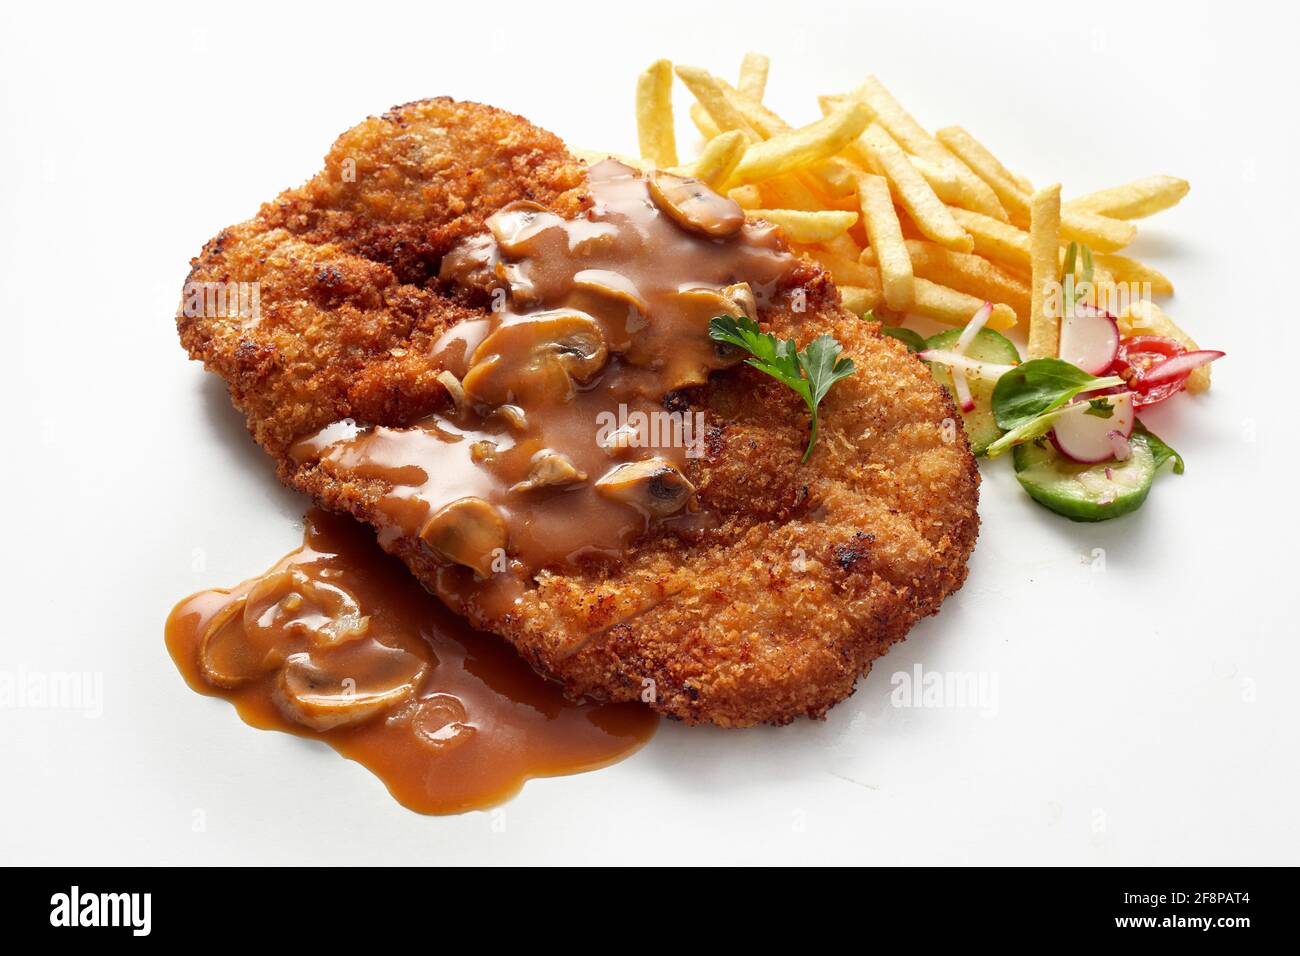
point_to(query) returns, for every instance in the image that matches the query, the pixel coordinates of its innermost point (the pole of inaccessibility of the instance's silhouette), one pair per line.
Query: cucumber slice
(1084, 492)
(989, 346)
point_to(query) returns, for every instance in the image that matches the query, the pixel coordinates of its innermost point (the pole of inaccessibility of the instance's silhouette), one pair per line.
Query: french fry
(843, 245)
(719, 158)
(995, 240)
(1125, 269)
(941, 177)
(789, 151)
(748, 197)
(1044, 254)
(986, 166)
(858, 299)
(753, 75)
(711, 95)
(879, 153)
(886, 236)
(970, 274)
(703, 121)
(971, 192)
(1135, 200)
(807, 227)
(654, 115)
(1099, 233)
(951, 307)
(789, 192)
(847, 271)
(1146, 318)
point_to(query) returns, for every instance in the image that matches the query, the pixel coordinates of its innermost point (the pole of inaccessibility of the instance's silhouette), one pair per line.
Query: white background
(1144, 714)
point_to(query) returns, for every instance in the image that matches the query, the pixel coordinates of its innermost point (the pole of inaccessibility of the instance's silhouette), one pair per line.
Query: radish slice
(1089, 339)
(973, 367)
(1177, 366)
(964, 398)
(977, 322)
(1090, 438)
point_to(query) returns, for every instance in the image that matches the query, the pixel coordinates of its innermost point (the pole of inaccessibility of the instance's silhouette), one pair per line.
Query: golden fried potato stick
(1135, 200)
(951, 307)
(846, 271)
(753, 75)
(987, 167)
(971, 274)
(807, 227)
(791, 150)
(1125, 269)
(1146, 318)
(708, 90)
(703, 121)
(719, 159)
(886, 236)
(875, 150)
(1100, 233)
(654, 115)
(789, 192)
(1044, 255)
(747, 197)
(971, 192)
(995, 240)
(859, 300)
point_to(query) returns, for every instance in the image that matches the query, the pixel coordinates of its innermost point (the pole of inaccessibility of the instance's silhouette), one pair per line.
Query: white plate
(1144, 712)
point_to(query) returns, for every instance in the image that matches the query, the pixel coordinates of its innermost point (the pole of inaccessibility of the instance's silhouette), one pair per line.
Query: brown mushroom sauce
(599, 320)
(540, 460)
(339, 642)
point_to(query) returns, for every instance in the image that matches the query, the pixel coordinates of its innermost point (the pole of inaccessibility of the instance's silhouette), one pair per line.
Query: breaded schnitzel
(763, 600)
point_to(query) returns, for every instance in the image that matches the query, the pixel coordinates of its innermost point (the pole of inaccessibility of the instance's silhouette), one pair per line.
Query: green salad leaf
(1159, 450)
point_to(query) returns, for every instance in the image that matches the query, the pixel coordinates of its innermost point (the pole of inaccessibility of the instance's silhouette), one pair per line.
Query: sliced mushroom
(468, 531)
(441, 722)
(514, 417)
(652, 486)
(742, 297)
(452, 384)
(517, 226)
(337, 690)
(537, 358)
(289, 604)
(226, 657)
(612, 298)
(550, 469)
(620, 440)
(693, 355)
(695, 207)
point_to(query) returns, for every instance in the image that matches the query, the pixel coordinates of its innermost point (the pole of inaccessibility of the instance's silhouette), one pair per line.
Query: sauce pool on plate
(339, 643)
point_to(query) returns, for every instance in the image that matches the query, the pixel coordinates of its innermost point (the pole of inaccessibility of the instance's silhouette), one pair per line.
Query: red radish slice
(1090, 438)
(977, 322)
(1180, 366)
(1089, 339)
(972, 367)
(964, 398)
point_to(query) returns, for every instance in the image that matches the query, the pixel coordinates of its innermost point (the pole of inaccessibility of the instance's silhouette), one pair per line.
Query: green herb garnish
(809, 374)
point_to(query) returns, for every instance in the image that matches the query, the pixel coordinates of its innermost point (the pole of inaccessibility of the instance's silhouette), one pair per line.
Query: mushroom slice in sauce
(695, 207)
(695, 355)
(536, 359)
(289, 603)
(550, 469)
(226, 657)
(468, 531)
(335, 690)
(653, 486)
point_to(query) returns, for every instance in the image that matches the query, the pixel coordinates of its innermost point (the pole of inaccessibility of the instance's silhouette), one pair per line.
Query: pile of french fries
(906, 221)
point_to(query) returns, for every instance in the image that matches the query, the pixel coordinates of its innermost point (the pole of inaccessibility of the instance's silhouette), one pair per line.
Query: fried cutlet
(773, 610)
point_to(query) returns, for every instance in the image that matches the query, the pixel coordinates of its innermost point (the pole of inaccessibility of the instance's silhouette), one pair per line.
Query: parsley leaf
(809, 374)
(1099, 407)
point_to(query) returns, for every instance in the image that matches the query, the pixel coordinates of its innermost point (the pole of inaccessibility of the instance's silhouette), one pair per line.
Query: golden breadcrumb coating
(771, 612)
